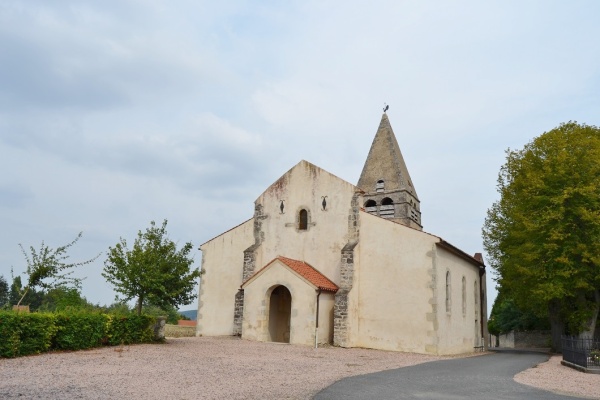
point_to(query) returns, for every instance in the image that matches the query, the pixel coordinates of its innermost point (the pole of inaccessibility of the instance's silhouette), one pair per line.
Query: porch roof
(303, 269)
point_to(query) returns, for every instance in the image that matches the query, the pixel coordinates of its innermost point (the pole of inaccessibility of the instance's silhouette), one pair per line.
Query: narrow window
(464, 296)
(303, 220)
(448, 290)
(379, 187)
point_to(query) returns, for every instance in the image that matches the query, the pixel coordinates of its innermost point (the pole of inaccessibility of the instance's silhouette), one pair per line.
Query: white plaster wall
(222, 263)
(320, 245)
(393, 287)
(302, 324)
(456, 331)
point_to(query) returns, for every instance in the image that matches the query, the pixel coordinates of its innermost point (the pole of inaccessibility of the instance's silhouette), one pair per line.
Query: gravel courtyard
(192, 368)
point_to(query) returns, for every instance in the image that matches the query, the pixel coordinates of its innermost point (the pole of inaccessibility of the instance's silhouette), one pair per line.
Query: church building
(325, 261)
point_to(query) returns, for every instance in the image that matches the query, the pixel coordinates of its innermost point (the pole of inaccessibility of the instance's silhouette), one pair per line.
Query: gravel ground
(553, 376)
(211, 368)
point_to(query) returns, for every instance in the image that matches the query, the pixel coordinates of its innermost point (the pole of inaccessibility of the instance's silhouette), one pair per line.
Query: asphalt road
(484, 377)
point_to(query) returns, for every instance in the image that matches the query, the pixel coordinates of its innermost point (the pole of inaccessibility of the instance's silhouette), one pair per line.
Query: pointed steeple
(390, 192)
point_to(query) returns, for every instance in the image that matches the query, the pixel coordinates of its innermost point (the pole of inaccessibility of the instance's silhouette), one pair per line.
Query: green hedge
(25, 333)
(80, 330)
(130, 329)
(32, 333)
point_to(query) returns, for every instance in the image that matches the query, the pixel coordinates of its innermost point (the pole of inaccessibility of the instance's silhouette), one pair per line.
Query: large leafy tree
(543, 235)
(154, 271)
(49, 268)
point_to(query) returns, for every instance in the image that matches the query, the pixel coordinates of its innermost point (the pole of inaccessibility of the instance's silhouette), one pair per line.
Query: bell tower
(389, 191)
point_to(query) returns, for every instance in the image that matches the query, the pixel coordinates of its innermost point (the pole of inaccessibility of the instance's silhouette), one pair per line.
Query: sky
(117, 113)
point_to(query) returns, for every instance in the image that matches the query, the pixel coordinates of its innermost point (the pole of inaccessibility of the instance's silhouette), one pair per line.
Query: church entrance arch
(280, 312)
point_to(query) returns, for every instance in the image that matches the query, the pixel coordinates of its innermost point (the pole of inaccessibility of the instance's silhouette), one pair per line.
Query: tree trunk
(591, 324)
(139, 305)
(22, 297)
(557, 325)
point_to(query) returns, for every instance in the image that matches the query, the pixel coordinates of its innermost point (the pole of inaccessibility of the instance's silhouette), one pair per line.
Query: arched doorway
(280, 311)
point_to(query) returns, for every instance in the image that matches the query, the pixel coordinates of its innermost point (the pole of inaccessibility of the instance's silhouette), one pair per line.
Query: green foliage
(506, 316)
(153, 271)
(80, 330)
(37, 331)
(25, 333)
(10, 333)
(4, 292)
(118, 308)
(62, 299)
(543, 235)
(33, 333)
(170, 312)
(17, 294)
(129, 329)
(48, 268)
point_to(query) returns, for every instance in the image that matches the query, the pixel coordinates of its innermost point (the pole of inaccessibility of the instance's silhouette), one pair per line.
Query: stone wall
(523, 340)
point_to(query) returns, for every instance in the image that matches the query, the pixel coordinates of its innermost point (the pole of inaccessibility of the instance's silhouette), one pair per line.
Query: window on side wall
(448, 293)
(464, 296)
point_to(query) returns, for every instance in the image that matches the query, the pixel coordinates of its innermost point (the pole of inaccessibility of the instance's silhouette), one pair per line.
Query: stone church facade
(325, 261)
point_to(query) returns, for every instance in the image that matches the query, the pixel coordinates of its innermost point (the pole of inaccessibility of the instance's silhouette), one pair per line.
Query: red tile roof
(304, 270)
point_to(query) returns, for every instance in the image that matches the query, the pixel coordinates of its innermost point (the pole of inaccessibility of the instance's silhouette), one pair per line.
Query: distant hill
(191, 314)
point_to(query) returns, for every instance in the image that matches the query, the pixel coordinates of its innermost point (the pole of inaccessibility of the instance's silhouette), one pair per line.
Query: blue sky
(116, 113)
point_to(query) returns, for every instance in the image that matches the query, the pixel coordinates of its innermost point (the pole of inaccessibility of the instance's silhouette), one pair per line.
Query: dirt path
(192, 368)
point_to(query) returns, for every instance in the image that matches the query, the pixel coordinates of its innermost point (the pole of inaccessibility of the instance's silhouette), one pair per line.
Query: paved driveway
(484, 377)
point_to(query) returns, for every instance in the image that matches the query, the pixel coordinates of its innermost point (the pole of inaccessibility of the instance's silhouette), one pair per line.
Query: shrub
(9, 332)
(79, 330)
(32, 333)
(25, 333)
(127, 329)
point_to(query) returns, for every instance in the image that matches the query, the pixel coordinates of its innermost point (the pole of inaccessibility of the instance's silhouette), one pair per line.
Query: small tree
(153, 271)
(17, 294)
(48, 268)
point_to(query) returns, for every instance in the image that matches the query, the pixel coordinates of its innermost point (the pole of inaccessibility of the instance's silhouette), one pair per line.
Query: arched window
(448, 293)
(303, 220)
(379, 187)
(371, 207)
(464, 296)
(387, 208)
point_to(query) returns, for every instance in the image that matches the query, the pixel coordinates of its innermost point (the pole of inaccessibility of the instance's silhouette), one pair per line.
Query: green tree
(153, 271)
(506, 316)
(64, 298)
(18, 295)
(543, 235)
(4, 292)
(49, 268)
